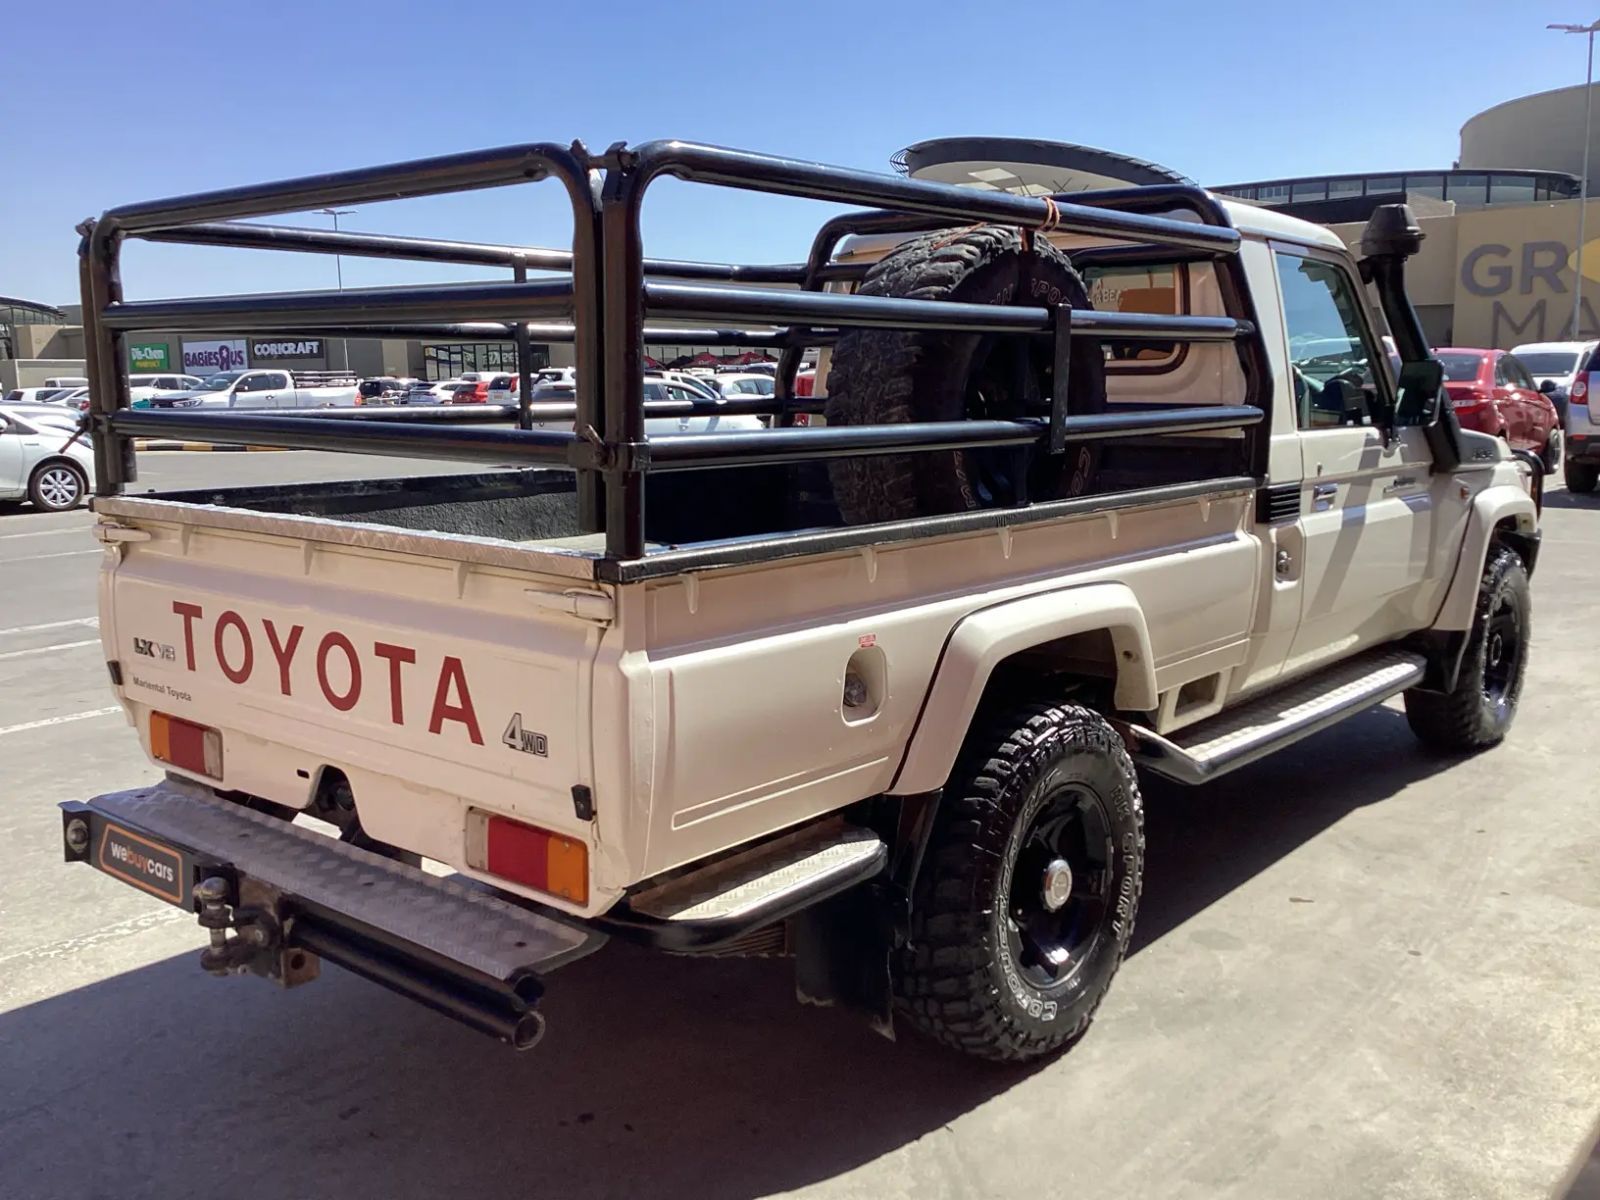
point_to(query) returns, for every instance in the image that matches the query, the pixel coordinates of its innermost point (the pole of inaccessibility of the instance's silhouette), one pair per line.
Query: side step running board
(709, 906)
(1258, 727)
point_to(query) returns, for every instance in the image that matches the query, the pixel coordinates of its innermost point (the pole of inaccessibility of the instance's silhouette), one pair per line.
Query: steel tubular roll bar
(251, 236)
(609, 290)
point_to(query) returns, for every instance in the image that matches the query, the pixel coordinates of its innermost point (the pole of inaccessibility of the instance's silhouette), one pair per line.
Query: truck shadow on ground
(659, 1076)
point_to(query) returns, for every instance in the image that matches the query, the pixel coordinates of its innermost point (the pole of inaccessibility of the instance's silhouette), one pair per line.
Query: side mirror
(1548, 387)
(1421, 392)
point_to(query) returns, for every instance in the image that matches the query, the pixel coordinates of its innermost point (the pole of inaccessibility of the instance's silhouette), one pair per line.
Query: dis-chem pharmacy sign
(149, 356)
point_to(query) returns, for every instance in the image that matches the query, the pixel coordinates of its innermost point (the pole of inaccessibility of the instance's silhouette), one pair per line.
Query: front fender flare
(983, 639)
(1490, 508)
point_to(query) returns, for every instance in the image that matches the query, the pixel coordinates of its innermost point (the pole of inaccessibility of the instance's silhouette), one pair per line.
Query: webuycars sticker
(341, 668)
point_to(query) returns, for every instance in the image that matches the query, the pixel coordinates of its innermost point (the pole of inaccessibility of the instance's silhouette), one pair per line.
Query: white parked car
(655, 388)
(746, 385)
(142, 387)
(258, 389)
(506, 386)
(695, 383)
(36, 395)
(37, 463)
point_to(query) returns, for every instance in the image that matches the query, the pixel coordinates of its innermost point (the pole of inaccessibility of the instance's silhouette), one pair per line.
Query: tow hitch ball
(257, 943)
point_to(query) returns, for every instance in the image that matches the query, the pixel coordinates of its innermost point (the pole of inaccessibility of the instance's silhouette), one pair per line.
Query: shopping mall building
(1502, 221)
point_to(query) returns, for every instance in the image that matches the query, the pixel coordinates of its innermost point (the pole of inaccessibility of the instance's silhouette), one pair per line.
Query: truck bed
(444, 669)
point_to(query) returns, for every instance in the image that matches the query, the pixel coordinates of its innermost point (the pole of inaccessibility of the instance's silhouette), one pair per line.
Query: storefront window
(1316, 189)
(1339, 188)
(1383, 183)
(1274, 192)
(448, 360)
(1511, 189)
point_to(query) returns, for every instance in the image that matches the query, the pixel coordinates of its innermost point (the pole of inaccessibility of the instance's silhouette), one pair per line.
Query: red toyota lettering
(451, 672)
(188, 612)
(232, 620)
(397, 656)
(347, 701)
(283, 652)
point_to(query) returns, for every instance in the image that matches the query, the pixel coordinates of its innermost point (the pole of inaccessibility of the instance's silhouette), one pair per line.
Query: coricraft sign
(150, 356)
(269, 351)
(214, 356)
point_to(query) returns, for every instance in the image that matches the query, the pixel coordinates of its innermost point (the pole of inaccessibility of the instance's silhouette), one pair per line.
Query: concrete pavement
(1358, 971)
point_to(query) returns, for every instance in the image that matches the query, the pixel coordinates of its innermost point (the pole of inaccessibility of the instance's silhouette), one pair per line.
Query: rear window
(1549, 362)
(1460, 368)
(1157, 289)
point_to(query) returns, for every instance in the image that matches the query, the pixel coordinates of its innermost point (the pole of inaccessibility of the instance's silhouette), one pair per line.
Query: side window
(273, 382)
(1331, 355)
(1518, 373)
(1502, 372)
(1158, 289)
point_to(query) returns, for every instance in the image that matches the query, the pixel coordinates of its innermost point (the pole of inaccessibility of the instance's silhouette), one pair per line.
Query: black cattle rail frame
(608, 292)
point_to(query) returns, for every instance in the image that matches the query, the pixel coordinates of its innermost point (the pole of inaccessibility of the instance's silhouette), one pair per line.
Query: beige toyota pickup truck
(1091, 486)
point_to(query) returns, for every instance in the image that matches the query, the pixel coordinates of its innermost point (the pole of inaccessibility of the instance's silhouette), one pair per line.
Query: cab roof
(1269, 222)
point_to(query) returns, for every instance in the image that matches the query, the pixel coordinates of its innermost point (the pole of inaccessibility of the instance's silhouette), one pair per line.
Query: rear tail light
(1467, 396)
(537, 858)
(1580, 390)
(181, 743)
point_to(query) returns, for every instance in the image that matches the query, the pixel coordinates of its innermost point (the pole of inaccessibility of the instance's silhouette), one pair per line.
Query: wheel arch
(1501, 516)
(1096, 630)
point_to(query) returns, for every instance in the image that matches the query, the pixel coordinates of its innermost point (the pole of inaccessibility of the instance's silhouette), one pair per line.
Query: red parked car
(1493, 393)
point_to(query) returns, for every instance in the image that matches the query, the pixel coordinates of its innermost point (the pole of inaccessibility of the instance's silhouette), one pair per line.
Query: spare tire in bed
(882, 376)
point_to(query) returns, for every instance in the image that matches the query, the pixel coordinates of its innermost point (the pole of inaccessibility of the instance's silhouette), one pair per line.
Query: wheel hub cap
(1497, 650)
(1057, 884)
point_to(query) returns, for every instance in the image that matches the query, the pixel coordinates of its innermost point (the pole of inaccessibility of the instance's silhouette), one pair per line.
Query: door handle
(1400, 482)
(1323, 495)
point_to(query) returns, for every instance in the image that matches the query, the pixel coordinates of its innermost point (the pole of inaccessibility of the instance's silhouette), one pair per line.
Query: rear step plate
(1259, 726)
(710, 904)
(163, 840)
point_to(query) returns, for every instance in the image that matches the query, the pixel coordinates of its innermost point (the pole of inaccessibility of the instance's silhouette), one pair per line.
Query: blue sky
(108, 103)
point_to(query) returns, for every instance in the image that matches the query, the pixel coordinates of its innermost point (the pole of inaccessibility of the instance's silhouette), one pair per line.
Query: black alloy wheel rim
(1002, 385)
(1502, 652)
(1050, 945)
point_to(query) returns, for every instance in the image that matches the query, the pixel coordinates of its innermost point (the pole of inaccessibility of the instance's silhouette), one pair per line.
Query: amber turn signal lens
(545, 861)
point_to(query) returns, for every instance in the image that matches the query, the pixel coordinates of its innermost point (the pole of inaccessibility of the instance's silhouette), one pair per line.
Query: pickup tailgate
(423, 679)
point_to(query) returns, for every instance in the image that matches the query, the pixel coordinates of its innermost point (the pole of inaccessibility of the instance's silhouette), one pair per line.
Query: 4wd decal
(343, 669)
(525, 740)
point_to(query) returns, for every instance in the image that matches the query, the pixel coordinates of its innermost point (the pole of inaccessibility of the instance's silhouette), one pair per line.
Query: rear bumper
(1583, 436)
(289, 893)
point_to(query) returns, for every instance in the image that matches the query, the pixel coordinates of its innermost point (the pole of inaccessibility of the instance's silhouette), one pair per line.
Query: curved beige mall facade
(1543, 131)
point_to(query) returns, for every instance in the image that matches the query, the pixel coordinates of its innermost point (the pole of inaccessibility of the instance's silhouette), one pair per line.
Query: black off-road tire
(1580, 476)
(961, 979)
(882, 377)
(1477, 713)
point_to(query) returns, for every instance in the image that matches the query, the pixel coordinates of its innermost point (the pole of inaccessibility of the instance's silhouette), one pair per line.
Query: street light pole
(338, 270)
(1583, 181)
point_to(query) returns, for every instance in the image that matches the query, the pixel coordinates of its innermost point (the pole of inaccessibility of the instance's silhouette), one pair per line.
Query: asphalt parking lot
(1358, 971)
